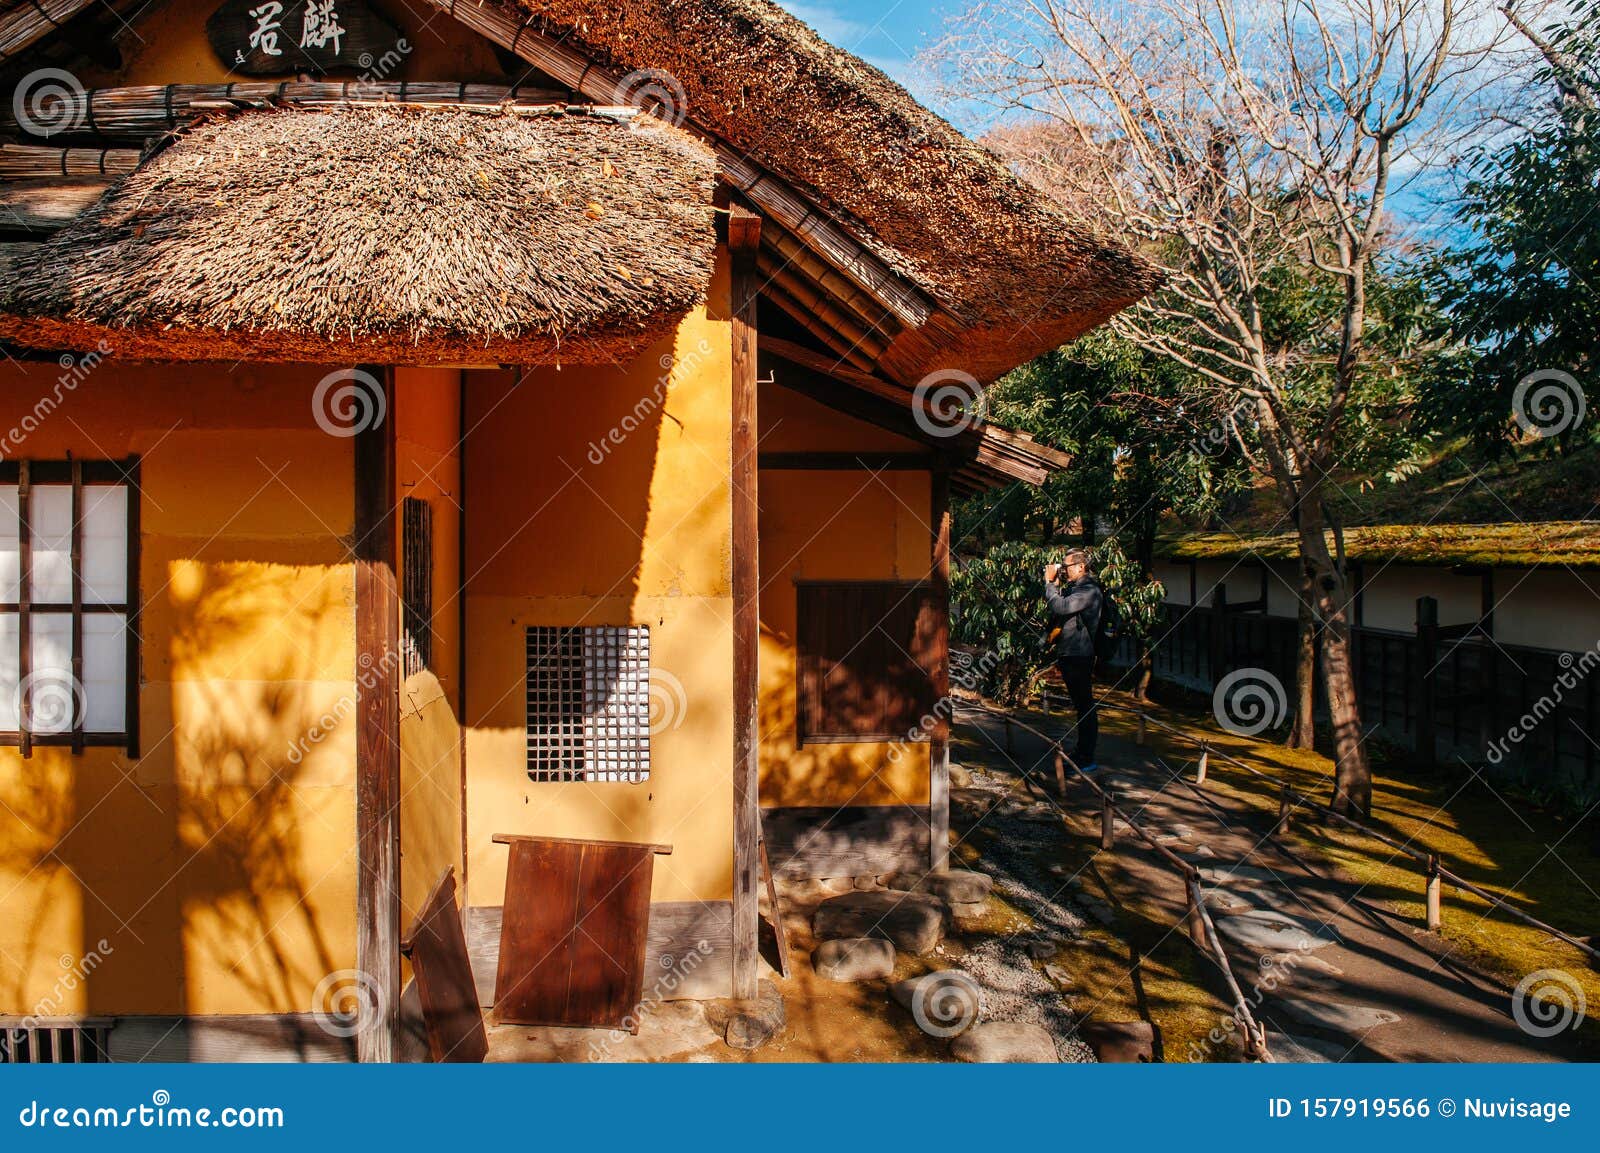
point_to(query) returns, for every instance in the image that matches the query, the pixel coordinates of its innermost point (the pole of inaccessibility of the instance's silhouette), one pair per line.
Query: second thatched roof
(386, 234)
(1019, 275)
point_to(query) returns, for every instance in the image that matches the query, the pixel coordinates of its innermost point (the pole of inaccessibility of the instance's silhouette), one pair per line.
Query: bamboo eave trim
(147, 109)
(28, 162)
(31, 21)
(775, 198)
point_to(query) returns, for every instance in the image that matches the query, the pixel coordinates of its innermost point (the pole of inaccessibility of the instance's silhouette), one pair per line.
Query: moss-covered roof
(1573, 543)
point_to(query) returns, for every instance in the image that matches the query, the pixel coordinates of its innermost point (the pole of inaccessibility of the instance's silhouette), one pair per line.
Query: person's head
(1076, 564)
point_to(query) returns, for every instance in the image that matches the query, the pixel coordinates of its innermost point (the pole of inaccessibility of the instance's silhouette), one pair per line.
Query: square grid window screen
(589, 703)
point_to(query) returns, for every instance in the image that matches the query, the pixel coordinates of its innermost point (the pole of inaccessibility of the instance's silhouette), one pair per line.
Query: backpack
(1108, 632)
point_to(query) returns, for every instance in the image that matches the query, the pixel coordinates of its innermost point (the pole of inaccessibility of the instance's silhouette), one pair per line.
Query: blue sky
(887, 33)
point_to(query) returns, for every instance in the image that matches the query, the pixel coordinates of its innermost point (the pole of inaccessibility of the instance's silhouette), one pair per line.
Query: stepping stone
(853, 959)
(1272, 932)
(1337, 1016)
(1060, 976)
(1120, 1042)
(913, 921)
(942, 1003)
(1300, 970)
(1043, 950)
(1236, 874)
(1005, 1043)
(954, 886)
(748, 1024)
(1227, 901)
(1290, 1050)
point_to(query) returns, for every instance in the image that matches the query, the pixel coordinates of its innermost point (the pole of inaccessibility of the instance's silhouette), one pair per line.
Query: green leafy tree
(999, 608)
(1522, 290)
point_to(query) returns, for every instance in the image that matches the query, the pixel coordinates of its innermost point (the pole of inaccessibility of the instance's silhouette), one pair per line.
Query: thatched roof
(384, 234)
(1019, 276)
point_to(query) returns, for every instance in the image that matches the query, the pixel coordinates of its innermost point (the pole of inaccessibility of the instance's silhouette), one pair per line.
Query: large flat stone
(942, 1003)
(1005, 1043)
(748, 1024)
(854, 959)
(1338, 1016)
(955, 886)
(915, 922)
(1274, 932)
(1120, 1042)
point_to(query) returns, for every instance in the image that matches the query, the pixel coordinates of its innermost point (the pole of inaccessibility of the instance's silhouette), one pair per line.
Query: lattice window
(589, 703)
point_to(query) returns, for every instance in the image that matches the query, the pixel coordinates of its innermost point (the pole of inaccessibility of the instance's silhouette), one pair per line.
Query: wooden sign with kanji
(288, 37)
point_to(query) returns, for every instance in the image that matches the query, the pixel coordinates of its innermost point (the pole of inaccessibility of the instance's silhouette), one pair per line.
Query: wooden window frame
(79, 474)
(808, 693)
(416, 585)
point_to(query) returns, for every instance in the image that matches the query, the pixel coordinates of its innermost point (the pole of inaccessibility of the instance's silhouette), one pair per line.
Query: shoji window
(865, 660)
(69, 571)
(589, 703)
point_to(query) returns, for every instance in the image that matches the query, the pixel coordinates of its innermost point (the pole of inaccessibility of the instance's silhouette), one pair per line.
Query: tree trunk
(1352, 775)
(1147, 667)
(1303, 729)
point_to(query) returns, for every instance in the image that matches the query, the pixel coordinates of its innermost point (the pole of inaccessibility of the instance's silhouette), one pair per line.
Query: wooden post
(744, 236)
(1435, 913)
(378, 674)
(1139, 737)
(939, 739)
(1010, 749)
(1197, 920)
(1205, 758)
(1283, 811)
(1061, 772)
(1427, 658)
(1108, 820)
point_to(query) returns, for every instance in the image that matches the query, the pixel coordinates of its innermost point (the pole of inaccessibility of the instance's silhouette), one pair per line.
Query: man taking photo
(1074, 619)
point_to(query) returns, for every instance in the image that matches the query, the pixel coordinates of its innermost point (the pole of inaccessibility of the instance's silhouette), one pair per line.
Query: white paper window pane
(105, 545)
(105, 672)
(9, 667)
(50, 695)
(10, 550)
(50, 527)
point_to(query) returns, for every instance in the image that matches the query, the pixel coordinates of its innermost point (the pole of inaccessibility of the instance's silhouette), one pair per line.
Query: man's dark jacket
(1075, 610)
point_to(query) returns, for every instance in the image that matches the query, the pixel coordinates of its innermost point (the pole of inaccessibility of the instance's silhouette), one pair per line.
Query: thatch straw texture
(1019, 275)
(383, 234)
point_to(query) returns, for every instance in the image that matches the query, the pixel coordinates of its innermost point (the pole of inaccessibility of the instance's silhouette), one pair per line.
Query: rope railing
(1202, 932)
(1291, 799)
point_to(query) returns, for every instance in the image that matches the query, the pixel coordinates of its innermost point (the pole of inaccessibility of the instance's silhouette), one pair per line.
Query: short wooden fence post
(1205, 758)
(1108, 818)
(1435, 913)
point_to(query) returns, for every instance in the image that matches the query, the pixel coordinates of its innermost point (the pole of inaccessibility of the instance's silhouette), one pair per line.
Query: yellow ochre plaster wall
(426, 412)
(847, 525)
(216, 873)
(600, 496)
